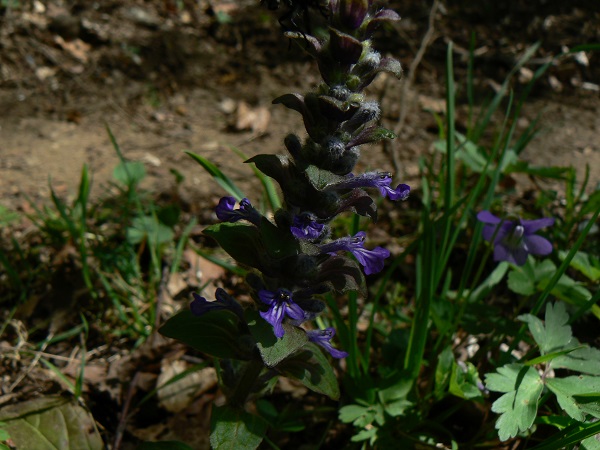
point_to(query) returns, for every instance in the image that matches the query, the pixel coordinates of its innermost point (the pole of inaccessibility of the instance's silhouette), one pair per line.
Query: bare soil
(168, 80)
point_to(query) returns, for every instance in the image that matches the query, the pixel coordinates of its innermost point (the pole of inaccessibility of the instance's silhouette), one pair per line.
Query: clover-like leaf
(556, 333)
(312, 369)
(522, 386)
(577, 395)
(235, 429)
(584, 360)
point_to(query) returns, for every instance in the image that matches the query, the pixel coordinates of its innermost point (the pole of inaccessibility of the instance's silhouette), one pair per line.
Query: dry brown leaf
(254, 119)
(177, 396)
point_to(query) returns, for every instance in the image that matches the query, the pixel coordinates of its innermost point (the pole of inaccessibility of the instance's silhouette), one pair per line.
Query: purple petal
(323, 338)
(531, 226)
(305, 227)
(400, 193)
(515, 255)
(372, 260)
(275, 317)
(488, 218)
(537, 245)
(266, 296)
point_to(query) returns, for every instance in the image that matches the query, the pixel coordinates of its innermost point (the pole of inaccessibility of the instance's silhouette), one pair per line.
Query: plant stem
(246, 383)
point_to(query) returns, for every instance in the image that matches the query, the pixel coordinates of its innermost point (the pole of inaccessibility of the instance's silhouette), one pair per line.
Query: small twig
(125, 412)
(428, 38)
(32, 365)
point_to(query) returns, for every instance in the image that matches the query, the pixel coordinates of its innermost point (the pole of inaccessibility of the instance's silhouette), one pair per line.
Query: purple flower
(280, 305)
(372, 260)
(380, 180)
(306, 227)
(323, 338)
(515, 240)
(200, 305)
(226, 213)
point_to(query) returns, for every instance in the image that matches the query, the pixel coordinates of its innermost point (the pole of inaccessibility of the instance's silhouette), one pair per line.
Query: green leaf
(556, 333)
(274, 350)
(569, 390)
(465, 382)
(342, 274)
(321, 178)
(521, 280)
(222, 180)
(235, 429)
(312, 369)
(164, 445)
(518, 406)
(216, 333)
(149, 228)
(350, 413)
(240, 240)
(129, 173)
(584, 360)
(443, 371)
(588, 265)
(51, 423)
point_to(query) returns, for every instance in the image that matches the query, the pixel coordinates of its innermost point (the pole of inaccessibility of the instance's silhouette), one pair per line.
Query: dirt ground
(200, 76)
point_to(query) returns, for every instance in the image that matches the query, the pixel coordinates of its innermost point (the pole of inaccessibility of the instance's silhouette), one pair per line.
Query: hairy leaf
(235, 429)
(274, 350)
(312, 369)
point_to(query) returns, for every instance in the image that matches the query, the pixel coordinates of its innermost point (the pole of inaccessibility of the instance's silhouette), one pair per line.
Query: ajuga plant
(291, 256)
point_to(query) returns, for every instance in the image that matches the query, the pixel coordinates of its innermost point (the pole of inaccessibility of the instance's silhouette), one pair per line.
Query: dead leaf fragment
(178, 395)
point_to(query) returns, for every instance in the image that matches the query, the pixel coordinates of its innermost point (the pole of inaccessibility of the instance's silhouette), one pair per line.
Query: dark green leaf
(342, 274)
(312, 369)
(216, 333)
(235, 429)
(240, 240)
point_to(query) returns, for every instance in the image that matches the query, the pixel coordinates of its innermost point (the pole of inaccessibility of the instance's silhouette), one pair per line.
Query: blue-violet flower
(514, 240)
(372, 260)
(323, 338)
(226, 213)
(380, 180)
(201, 305)
(306, 227)
(280, 304)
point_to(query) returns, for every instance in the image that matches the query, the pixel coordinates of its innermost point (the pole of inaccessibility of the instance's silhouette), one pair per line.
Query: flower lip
(226, 213)
(371, 260)
(281, 305)
(323, 338)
